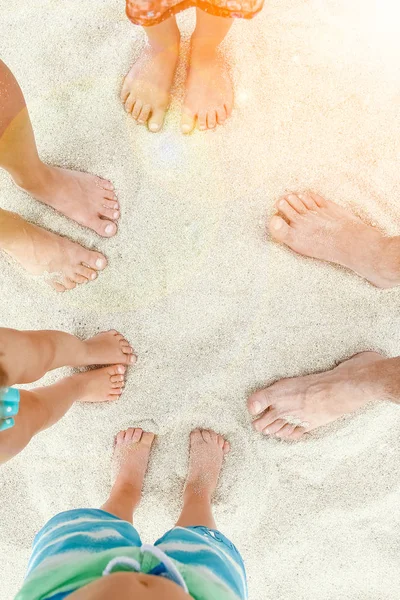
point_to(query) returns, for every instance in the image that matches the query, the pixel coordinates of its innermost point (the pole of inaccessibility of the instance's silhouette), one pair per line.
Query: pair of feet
(103, 384)
(87, 199)
(209, 92)
(131, 457)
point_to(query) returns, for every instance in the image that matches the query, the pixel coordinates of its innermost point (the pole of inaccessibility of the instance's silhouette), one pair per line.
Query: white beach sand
(212, 306)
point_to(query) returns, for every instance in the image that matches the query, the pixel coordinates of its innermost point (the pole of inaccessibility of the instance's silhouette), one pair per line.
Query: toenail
(93, 276)
(116, 214)
(120, 369)
(256, 407)
(282, 203)
(266, 431)
(278, 224)
(100, 263)
(109, 229)
(186, 128)
(154, 127)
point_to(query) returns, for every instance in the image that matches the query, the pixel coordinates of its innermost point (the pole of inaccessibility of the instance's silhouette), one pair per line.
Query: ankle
(204, 47)
(169, 45)
(197, 492)
(37, 178)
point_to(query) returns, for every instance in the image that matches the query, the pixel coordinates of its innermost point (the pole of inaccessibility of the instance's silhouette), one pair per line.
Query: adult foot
(313, 226)
(87, 199)
(108, 348)
(292, 407)
(209, 90)
(146, 89)
(207, 451)
(131, 458)
(99, 385)
(41, 252)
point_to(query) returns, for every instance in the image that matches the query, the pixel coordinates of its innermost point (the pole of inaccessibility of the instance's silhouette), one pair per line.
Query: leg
(292, 407)
(45, 406)
(87, 199)
(130, 460)
(41, 252)
(209, 93)
(316, 227)
(146, 89)
(28, 355)
(207, 451)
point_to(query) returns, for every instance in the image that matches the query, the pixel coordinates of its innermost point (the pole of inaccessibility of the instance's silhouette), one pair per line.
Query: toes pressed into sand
(99, 385)
(207, 451)
(109, 347)
(132, 449)
(76, 266)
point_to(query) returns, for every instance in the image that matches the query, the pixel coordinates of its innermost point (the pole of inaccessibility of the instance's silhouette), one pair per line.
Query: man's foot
(84, 198)
(108, 348)
(207, 451)
(209, 90)
(316, 227)
(131, 458)
(292, 407)
(146, 89)
(99, 385)
(41, 252)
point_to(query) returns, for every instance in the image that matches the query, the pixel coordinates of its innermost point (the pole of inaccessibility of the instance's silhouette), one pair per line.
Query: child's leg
(207, 451)
(87, 199)
(131, 457)
(146, 89)
(45, 406)
(26, 356)
(209, 91)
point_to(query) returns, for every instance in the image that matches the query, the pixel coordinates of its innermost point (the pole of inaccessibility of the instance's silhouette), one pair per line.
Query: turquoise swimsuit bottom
(80, 546)
(9, 407)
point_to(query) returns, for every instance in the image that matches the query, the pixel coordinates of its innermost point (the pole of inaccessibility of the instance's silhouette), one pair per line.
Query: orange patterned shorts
(152, 12)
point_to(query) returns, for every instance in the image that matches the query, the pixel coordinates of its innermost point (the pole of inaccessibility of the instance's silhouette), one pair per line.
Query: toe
(307, 200)
(109, 213)
(111, 398)
(137, 435)
(296, 203)
(129, 434)
(202, 120)
(115, 391)
(206, 435)
(195, 435)
(144, 114)
(117, 378)
(113, 204)
(78, 278)
(297, 433)
(116, 370)
(221, 441)
(104, 184)
(58, 287)
(286, 430)
(156, 120)
(137, 108)
(286, 210)
(221, 115)
(273, 428)
(211, 119)
(319, 200)
(125, 90)
(96, 261)
(259, 401)
(120, 437)
(148, 438)
(265, 420)
(280, 230)
(68, 283)
(106, 228)
(117, 385)
(228, 108)
(130, 103)
(188, 121)
(227, 447)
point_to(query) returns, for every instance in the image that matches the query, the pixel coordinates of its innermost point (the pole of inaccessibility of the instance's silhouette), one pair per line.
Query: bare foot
(131, 458)
(108, 348)
(316, 227)
(209, 91)
(100, 385)
(85, 198)
(146, 89)
(41, 252)
(314, 400)
(207, 451)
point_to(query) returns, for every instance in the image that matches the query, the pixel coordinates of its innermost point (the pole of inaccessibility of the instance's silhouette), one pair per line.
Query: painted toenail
(100, 263)
(116, 214)
(109, 229)
(154, 127)
(278, 224)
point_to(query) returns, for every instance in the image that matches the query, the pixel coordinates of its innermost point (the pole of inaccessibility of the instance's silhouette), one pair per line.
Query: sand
(212, 306)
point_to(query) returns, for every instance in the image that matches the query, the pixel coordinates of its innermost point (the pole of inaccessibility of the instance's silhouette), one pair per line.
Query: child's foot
(100, 385)
(314, 400)
(131, 458)
(108, 348)
(209, 90)
(85, 198)
(146, 89)
(316, 227)
(207, 451)
(41, 252)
